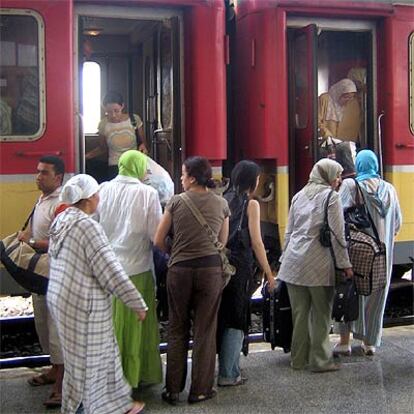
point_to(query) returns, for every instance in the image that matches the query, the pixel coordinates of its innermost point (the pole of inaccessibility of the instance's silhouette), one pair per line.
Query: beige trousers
(46, 329)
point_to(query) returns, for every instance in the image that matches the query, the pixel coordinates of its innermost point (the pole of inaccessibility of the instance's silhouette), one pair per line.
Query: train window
(411, 64)
(22, 85)
(91, 99)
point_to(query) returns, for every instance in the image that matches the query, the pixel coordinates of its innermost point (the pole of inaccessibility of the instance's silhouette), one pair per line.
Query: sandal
(39, 380)
(193, 399)
(170, 397)
(137, 407)
(54, 400)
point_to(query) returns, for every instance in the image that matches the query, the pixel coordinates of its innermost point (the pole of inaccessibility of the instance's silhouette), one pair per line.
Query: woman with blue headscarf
(384, 208)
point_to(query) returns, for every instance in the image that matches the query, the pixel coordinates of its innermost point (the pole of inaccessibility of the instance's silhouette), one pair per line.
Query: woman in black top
(244, 241)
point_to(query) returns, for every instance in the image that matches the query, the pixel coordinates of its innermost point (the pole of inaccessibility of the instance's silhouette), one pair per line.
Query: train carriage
(287, 54)
(59, 58)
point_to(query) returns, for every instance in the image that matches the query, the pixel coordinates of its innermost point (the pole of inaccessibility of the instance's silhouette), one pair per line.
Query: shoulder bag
(28, 268)
(357, 215)
(228, 269)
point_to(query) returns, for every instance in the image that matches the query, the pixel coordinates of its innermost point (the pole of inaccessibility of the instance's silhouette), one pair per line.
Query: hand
(271, 283)
(23, 236)
(143, 149)
(141, 315)
(349, 272)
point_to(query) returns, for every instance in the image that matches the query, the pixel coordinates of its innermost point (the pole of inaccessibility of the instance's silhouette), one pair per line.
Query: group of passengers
(101, 292)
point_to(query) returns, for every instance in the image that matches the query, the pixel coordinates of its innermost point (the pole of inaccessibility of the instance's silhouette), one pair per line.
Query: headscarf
(78, 188)
(133, 163)
(323, 173)
(375, 190)
(335, 111)
(366, 163)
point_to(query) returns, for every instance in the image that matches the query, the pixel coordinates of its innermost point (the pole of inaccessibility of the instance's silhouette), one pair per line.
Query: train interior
(139, 58)
(318, 58)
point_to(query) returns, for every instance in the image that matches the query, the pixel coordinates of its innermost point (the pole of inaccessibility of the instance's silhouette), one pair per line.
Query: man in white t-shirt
(50, 171)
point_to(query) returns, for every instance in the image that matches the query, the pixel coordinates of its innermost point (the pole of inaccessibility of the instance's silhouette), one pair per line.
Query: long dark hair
(244, 177)
(113, 97)
(200, 169)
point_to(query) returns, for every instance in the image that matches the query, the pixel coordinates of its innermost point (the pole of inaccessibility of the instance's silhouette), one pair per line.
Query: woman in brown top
(195, 281)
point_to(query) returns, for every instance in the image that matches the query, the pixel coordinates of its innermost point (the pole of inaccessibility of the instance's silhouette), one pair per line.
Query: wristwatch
(32, 242)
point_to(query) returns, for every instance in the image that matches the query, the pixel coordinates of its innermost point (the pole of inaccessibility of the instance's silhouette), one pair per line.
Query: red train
(223, 79)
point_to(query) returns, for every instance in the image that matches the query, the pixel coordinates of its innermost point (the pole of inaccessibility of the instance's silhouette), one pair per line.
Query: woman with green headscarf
(129, 211)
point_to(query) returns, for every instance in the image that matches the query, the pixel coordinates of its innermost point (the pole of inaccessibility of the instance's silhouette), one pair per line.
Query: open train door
(166, 141)
(303, 104)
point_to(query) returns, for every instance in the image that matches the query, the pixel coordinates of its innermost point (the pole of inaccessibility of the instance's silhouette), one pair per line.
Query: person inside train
(308, 268)
(245, 242)
(117, 133)
(129, 212)
(195, 280)
(382, 202)
(339, 113)
(50, 172)
(84, 274)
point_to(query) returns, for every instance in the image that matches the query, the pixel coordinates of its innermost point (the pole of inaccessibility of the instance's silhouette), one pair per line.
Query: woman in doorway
(339, 112)
(245, 240)
(117, 133)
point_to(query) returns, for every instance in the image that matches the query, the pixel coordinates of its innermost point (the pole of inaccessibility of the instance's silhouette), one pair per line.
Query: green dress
(139, 341)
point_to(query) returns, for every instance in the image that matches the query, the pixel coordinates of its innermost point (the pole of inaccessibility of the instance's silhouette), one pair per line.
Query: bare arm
(224, 232)
(253, 215)
(162, 231)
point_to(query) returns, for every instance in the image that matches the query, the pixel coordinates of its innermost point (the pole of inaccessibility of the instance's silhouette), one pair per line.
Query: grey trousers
(198, 290)
(311, 312)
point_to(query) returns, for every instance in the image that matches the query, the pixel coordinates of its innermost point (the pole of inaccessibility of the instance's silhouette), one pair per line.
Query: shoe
(229, 383)
(328, 368)
(193, 399)
(137, 408)
(340, 349)
(54, 400)
(368, 350)
(39, 380)
(171, 398)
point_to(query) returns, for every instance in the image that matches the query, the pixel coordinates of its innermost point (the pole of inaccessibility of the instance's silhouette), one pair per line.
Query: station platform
(382, 384)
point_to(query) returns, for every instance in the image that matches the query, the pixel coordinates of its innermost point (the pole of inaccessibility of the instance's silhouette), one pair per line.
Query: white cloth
(159, 178)
(335, 110)
(129, 211)
(79, 187)
(84, 273)
(305, 261)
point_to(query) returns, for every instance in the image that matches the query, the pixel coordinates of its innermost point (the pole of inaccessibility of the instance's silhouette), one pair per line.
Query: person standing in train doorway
(50, 172)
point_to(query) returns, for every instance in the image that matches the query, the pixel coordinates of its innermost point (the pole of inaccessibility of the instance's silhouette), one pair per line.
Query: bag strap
(197, 214)
(374, 227)
(28, 218)
(133, 120)
(242, 215)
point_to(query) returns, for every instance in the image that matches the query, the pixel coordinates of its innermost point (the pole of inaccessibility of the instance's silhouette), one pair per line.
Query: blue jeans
(229, 357)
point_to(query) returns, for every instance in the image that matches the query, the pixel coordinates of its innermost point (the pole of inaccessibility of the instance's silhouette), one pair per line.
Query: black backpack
(345, 307)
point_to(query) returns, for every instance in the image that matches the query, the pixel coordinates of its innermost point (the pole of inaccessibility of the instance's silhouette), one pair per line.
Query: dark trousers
(197, 289)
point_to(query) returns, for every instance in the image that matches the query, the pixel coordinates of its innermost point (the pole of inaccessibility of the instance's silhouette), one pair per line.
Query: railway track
(19, 343)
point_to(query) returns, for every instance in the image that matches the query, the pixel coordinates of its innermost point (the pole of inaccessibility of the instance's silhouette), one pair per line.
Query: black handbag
(357, 215)
(345, 307)
(325, 230)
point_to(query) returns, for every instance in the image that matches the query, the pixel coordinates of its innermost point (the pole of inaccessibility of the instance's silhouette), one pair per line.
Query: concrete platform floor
(383, 384)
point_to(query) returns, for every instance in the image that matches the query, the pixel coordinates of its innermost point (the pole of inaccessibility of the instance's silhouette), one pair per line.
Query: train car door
(320, 53)
(136, 52)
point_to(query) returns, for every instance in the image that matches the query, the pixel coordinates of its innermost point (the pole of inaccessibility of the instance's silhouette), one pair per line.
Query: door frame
(131, 13)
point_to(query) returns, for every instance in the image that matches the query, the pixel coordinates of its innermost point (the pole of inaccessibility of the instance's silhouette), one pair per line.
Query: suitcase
(345, 307)
(277, 317)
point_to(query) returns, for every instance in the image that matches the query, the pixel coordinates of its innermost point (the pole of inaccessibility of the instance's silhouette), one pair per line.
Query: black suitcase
(277, 317)
(345, 306)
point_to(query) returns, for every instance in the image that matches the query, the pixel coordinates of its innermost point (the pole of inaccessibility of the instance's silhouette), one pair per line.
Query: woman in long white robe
(84, 274)
(382, 202)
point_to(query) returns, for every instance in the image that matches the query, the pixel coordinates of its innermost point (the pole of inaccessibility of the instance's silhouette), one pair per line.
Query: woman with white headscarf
(308, 268)
(339, 112)
(84, 274)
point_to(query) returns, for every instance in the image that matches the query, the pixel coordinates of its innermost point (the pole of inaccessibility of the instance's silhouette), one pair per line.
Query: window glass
(411, 80)
(21, 72)
(91, 84)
